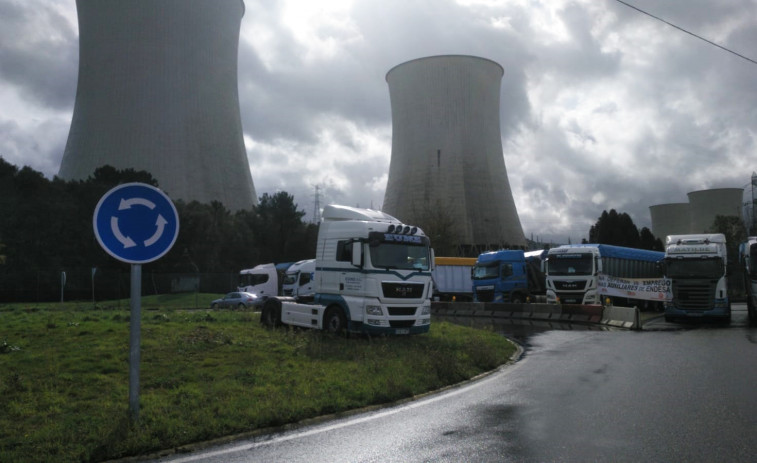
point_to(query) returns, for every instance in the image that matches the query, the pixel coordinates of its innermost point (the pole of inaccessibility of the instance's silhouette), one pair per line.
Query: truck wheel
(517, 299)
(271, 314)
(334, 321)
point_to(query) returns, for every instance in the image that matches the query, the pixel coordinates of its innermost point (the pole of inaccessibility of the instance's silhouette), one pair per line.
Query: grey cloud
(41, 64)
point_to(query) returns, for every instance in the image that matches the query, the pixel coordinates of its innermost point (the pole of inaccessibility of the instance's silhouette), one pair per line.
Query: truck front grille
(401, 311)
(574, 285)
(401, 323)
(694, 294)
(402, 290)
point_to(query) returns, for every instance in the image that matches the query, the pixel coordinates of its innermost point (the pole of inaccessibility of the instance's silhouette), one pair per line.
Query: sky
(602, 107)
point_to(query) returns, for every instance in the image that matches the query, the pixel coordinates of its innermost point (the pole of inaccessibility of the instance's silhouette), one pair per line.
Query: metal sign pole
(134, 339)
(135, 223)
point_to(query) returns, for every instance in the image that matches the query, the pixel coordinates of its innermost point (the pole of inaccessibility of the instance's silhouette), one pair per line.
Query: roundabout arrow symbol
(136, 223)
(160, 223)
(127, 203)
(125, 240)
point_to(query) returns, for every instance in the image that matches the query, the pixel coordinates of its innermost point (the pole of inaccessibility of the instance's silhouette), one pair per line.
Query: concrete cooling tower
(707, 204)
(157, 91)
(447, 158)
(670, 219)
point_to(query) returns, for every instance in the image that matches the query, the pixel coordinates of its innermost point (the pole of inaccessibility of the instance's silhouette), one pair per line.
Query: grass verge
(203, 375)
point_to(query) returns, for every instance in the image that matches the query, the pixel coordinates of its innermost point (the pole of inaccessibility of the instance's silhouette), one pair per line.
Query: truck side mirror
(357, 254)
(660, 265)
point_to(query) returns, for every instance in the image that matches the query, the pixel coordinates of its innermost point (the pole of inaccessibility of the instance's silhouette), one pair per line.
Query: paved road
(669, 393)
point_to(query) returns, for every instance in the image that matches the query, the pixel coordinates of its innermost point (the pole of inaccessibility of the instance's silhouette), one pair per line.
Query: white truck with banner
(748, 262)
(372, 275)
(589, 274)
(695, 266)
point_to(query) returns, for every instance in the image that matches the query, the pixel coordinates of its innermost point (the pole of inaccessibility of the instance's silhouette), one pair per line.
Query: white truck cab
(372, 275)
(261, 280)
(300, 279)
(696, 267)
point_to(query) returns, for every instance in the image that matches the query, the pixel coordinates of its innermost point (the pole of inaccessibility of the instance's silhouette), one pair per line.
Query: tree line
(618, 229)
(46, 228)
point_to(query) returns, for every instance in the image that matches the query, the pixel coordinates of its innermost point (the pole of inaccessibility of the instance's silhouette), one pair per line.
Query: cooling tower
(157, 91)
(670, 219)
(749, 206)
(707, 204)
(447, 167)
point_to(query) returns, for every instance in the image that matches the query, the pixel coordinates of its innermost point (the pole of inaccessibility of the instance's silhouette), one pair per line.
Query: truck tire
(270, 316)
(334, 321)
(517, 298)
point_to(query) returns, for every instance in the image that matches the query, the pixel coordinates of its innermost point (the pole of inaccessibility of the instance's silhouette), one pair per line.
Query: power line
(690, 33)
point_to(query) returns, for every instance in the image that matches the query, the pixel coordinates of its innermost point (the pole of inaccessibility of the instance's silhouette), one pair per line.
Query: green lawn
(204, 374)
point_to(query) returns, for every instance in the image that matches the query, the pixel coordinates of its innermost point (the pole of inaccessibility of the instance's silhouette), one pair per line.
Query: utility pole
(317, 206)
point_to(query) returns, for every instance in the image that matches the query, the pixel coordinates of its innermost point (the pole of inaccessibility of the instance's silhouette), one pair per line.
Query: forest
(48, 249)
(49, 252)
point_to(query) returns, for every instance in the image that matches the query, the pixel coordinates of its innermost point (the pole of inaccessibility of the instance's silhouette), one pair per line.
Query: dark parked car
(235, 300)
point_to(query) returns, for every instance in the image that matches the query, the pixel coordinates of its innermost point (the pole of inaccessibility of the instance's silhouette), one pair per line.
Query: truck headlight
(426, 310)
(374, 310)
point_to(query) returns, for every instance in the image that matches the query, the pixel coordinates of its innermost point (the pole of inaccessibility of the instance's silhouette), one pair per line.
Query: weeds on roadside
(64, 391)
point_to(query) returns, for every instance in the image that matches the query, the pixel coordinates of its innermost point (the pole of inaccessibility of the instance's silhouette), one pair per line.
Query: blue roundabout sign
(136, 223)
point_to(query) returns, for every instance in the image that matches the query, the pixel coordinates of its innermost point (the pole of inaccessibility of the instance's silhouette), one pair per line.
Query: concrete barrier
(624, 317)
(620, 317)
(583, 313)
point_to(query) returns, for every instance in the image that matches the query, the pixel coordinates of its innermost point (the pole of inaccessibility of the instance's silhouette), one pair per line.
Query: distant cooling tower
(157, 91)
(670, 219)
(447, 163)
(707, 204)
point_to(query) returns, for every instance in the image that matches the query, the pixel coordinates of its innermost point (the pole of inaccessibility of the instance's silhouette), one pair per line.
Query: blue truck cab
(506, 276)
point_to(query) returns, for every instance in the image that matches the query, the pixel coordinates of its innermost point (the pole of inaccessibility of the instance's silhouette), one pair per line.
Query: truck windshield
(400, 256)
(290, 279)
(486, 271)
(252, 279)
(571, 264)
(694, 268)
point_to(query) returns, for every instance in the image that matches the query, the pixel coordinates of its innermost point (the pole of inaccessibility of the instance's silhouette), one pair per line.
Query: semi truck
(452, 278)
(372, 275)
(299, 281)
(591, 273)
(748, 262)
(508, 276)
(695, 266)
(264, 280)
